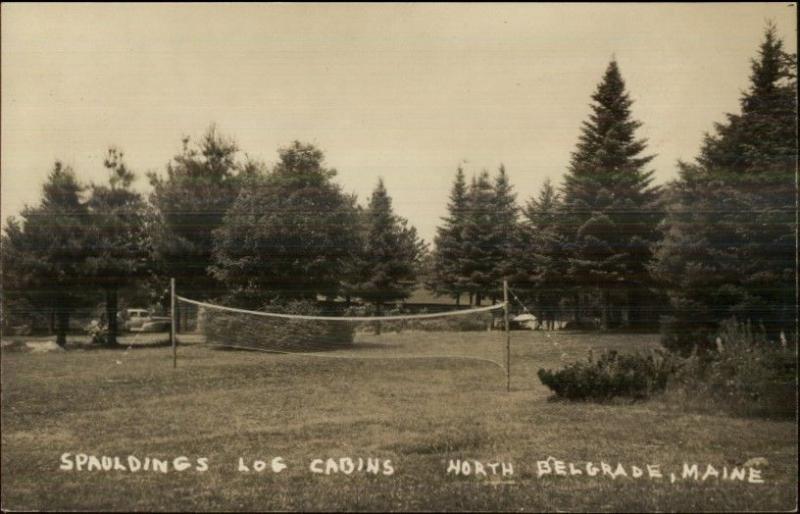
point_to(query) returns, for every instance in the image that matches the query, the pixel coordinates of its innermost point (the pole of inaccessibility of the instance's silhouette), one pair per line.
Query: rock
(14, 346)
(756, 462)
(43, 346)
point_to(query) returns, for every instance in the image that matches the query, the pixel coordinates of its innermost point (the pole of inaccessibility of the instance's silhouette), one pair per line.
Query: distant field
(415, 413)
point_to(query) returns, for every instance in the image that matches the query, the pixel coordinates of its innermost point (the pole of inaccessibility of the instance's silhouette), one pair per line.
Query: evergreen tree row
(474, 244)
(593, 238)
(604, 247)
(220, 227)
(609, 248)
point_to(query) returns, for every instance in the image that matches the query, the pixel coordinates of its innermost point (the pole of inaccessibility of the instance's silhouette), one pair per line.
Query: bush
(612, 375)
(746, 374)
(251, 331)
(98, 332)
(683, 337)
(20, 317)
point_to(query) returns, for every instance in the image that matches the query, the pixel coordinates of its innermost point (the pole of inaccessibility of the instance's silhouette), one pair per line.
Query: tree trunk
(379, 310)
(470, 299)
(111, 315)
(458, 299)
(604, 308)
(625, 313)
(52, 320)
(63, 326)
(478, 299)
(577, 308)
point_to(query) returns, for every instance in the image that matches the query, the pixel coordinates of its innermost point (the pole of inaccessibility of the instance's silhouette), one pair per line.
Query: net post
(508, 336)
(173, 340)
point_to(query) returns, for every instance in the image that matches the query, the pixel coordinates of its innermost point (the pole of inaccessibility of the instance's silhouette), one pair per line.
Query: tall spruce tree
(729, 236)
(540, 259)
(478, 263)
(44, 253)
(448, 277)
(505, 226)
(391, 254)
(610, 203)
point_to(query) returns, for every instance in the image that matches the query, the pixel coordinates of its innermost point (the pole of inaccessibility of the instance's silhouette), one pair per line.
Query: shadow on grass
(119, 346)
(321, 349)
(616, 401)
(368, 345)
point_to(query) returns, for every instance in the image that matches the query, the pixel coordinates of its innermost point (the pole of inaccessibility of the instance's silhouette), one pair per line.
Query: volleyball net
(335, 330)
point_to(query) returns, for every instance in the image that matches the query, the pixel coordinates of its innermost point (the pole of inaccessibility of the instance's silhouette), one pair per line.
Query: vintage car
(142, 320)
(519, 322)
(524, 322)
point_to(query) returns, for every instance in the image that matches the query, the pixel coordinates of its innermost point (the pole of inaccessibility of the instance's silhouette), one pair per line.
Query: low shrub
(612, 375)
(98, 332)
(269, 333)
(746, 374)
(682, 336)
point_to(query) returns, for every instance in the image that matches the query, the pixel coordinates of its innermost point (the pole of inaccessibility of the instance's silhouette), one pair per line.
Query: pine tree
(610, 203)
(44, 258)
(729, 236)
(391, 254)
(190, 203)
(118, 247)
(290, 234)
(448, 255)
(351, 267)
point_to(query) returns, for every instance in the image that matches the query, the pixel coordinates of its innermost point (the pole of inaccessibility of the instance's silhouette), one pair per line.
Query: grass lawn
(416, 413)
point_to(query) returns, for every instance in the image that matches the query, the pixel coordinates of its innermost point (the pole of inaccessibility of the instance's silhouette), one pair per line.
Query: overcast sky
(403, 92)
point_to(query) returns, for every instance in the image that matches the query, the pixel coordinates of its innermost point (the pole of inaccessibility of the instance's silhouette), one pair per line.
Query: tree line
(221, 227)
(606, 243)
(716, 243)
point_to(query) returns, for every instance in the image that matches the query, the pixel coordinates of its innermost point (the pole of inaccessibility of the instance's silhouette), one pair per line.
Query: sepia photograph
(403, 257)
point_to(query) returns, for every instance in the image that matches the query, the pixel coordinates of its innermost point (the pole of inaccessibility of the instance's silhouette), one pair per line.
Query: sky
(403, 92)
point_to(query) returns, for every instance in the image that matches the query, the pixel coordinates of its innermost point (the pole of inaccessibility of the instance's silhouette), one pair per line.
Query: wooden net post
(172, 338)
(508, 335)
